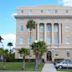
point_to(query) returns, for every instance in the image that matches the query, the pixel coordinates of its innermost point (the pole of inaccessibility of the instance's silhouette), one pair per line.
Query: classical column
(52, 34)
(37, 31)
(59, 34)
(45, 32)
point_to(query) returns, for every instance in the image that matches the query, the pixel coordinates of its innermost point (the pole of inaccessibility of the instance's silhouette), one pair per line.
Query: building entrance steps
(48, 67)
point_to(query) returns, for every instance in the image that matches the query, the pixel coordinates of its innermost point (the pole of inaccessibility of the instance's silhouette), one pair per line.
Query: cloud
(8, 38)
(66, 2)
(13, 15)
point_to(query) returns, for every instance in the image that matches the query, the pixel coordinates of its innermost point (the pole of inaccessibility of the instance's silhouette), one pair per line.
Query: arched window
(49, 27)
(56, 33)
(41, 27)
(56, 27)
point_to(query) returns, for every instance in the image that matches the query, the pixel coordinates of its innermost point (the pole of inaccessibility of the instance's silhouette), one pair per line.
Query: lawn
(18, 66)
(65, 70)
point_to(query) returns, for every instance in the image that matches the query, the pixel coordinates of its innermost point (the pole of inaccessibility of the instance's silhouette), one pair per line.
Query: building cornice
(44, 16)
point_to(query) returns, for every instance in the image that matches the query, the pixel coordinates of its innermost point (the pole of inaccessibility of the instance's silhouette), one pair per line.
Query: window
(49, 40)
(67, 40)
(56, 11)
(64, 62)
(66, 11)
(41, 27)
(41, 38)
(67, 28)
(55, 28)
(21, 11)
(49, 29)
(56, 39)
(21, 40)
(30, 40)
(41, 11)
(21, 28)
(51, 11)
(30, 10)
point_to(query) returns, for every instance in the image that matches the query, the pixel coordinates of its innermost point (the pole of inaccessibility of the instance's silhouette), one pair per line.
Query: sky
(8, 8)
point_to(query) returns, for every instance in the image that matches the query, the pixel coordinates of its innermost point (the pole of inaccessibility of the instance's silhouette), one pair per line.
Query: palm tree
(3, 56)
(1, 41)
(39, 49)
(10, 44)
(31, 24)
(24, 52)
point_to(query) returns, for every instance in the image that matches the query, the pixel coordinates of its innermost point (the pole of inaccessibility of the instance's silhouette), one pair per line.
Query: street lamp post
(36, 64)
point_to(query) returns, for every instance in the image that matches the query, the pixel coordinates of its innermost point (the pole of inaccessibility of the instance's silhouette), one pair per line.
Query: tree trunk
(30, 43)
(30, 32)
(36, 64)
(23, 68)
(10, 49)
(40, 59)
(37, 61)
(36, 32)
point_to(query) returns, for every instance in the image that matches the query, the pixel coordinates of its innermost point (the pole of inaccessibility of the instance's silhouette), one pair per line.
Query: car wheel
(60, 67)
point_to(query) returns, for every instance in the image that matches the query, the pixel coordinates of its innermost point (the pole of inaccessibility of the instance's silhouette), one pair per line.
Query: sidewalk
(48, 67)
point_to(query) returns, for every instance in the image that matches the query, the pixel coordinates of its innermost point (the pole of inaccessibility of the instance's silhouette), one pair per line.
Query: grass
(65, 70)
(18, 66)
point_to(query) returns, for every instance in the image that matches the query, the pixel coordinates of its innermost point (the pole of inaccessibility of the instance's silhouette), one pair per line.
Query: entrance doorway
(49, 56)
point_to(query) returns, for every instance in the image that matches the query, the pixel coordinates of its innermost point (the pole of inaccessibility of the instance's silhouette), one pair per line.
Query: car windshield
(66, 61)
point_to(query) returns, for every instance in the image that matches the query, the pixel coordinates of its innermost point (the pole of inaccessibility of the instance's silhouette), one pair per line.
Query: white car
(64, 64)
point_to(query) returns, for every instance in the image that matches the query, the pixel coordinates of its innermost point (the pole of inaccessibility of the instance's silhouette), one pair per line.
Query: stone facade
(54, 26)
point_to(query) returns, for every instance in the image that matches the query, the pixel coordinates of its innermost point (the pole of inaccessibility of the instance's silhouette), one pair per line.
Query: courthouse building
(54, 26)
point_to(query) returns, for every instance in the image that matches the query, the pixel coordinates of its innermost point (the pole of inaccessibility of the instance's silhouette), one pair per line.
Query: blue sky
(8, 7)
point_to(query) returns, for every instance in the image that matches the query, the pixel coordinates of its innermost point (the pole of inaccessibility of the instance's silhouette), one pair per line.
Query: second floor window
(67, 40)
(21, 40)
(49, 28)
(56, 28)
(41, 27)
(67, 28)
(30, 40)
(21, 28)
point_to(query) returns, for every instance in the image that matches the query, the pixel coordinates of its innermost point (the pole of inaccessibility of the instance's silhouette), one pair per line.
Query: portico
(55, 30)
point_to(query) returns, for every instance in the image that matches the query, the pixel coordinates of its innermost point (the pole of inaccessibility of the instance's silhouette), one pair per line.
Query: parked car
(64, 64)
